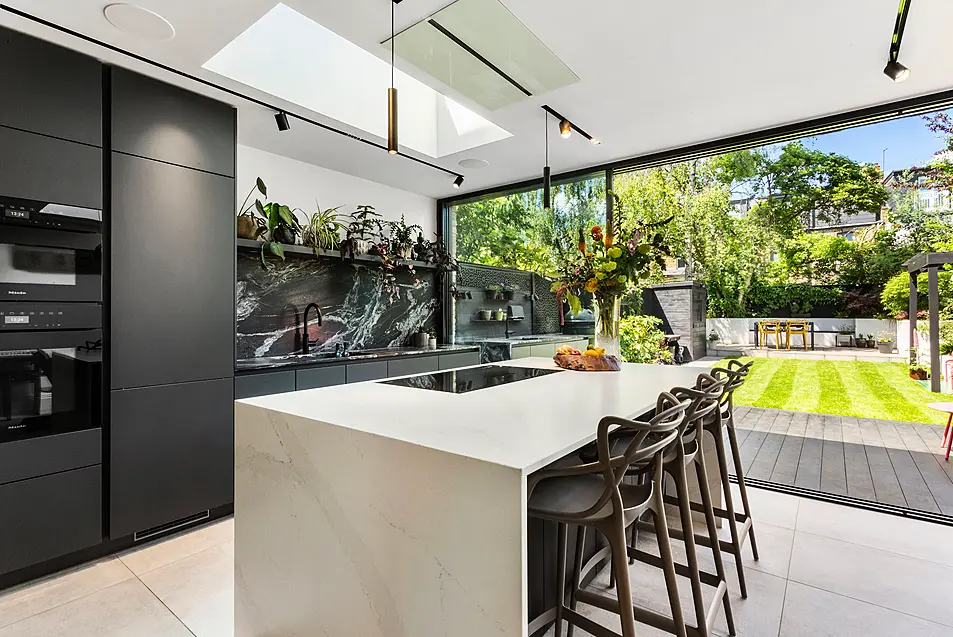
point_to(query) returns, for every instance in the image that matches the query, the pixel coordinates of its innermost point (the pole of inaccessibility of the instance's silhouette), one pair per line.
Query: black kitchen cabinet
(52, 170)
(49, 90)
(172, 298)
(411, 366)
(50, 516)
(320, 377)
(171, 453)
(360, 372)
(160, 121)
(460, 359)
(43, 455)
(252, 385)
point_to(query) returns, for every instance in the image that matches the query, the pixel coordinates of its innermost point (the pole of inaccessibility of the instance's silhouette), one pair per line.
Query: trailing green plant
(323, 231)
(641, 340)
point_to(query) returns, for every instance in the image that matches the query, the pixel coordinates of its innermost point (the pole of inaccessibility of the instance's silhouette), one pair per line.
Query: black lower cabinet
(171, 449)
(44, 518)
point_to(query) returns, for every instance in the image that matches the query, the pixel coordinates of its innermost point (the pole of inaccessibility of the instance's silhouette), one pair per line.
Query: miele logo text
(16, 427)
(16, 292)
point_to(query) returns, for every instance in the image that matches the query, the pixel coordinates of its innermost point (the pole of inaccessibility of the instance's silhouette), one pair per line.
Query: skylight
(316, 68)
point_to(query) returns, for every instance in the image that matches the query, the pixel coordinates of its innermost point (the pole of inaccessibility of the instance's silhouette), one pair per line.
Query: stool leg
(701, 472)
(740, 473)
(668, 563)
(730, 507)
(620, 566)
(576, 572)
(946, 432)
(688, 533)
(949, 443)
(561, 577)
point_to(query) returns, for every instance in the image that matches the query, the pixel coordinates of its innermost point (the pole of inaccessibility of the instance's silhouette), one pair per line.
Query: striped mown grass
(839, 388)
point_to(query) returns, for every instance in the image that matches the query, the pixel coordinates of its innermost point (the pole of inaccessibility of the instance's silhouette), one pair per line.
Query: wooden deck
(894, 463)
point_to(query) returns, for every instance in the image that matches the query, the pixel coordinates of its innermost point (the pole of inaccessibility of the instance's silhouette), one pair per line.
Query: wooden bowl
(580, 363)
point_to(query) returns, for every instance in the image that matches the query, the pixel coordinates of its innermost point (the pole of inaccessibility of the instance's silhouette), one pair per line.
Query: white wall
(297, 184)
(737, 331)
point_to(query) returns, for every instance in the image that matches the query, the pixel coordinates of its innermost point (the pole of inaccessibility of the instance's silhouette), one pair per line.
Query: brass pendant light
(392, 91)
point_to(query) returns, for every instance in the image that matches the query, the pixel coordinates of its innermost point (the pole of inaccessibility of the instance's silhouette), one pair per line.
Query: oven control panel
(49, 316)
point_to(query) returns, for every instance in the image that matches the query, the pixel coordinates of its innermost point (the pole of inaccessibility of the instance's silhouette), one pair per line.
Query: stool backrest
(797, 326)
(736, 374)
(770, 326)
(705, 398)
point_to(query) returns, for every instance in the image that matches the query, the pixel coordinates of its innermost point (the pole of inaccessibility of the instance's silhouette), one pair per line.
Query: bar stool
(592, 495)
(688, 452)
(722, 420)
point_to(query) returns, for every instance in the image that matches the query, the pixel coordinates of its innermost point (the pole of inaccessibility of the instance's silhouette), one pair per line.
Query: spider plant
(323, 231)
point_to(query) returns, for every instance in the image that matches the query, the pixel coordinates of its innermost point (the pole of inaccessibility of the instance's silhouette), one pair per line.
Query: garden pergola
(930, 263)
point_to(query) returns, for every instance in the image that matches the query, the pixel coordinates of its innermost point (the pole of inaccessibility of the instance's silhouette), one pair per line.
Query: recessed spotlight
(138, 21)
(473, 163)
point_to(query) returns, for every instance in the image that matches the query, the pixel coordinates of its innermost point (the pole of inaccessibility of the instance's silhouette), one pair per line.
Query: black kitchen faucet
(306, 341)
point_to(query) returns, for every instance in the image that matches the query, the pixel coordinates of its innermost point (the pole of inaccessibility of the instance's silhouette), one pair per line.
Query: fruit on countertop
(569, 351)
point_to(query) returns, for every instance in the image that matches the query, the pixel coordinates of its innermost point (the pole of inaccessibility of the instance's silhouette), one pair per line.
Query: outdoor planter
(486, 315)
(494, 295)
(500, 315)
(885, 347)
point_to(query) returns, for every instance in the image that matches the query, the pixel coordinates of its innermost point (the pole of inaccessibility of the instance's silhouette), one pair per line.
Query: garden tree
(896, 294)
(801, 181)
(940, 168)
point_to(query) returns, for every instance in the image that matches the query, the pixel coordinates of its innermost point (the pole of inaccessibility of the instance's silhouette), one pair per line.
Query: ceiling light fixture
(547, 175)
(138, 21)
(894, 69)
(566, 126)
(392, 91)
(282, 120)
(458, 182)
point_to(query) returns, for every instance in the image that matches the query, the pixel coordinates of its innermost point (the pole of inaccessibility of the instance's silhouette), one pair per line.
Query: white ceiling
(654, 75)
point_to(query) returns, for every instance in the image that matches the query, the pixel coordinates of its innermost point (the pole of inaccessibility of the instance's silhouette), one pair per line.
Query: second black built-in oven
(50, 252)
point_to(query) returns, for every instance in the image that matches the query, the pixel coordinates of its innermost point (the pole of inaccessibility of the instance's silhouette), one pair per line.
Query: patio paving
(891, 463)
(821, 353)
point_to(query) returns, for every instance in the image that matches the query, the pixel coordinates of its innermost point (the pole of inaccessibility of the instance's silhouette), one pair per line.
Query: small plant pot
(433, 343)
(359, 246)
(508, 295)
(420, 339)
(284, 234)
(919, 375)
(403, 250)
(871, 343)
(885, 348)
(493, 295)
(500, 315)
(247, 227)
(486, 315)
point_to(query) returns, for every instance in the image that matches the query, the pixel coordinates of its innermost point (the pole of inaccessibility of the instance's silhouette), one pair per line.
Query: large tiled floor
(824, 570)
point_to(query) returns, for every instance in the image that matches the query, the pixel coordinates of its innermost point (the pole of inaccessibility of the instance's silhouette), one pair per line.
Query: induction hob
(462, 381)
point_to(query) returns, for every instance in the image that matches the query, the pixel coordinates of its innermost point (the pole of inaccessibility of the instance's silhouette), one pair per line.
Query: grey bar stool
(592, 495)
(718, 424)
(705, 400)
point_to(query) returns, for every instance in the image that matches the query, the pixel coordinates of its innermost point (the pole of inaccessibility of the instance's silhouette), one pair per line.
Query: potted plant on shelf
(500, 315)
(845, 333)
(281, 227)
(432, 340)
(363, 230)
(494, 292)
(509, 289)
(919, 372)
(402, 237)
(248, 224)
(885, 342)
(323, 230)
(871, 341)
(713, 337)
(486, 315)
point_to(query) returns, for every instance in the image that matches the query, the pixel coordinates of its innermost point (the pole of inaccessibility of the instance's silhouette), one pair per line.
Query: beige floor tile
(811, 612)
(769, 507)
(775, 544)
(41, 595)
(127, 609)
(199, 590)
(922, 540)
(166, 551)
(892, 581)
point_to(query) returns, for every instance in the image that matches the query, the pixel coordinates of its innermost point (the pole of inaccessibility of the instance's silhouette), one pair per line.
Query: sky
(908, 143)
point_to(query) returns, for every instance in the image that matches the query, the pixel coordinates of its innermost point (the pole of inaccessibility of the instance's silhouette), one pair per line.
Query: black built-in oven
(50, 252)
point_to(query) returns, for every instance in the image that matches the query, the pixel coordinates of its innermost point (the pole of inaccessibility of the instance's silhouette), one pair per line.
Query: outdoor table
(946, 408)
(757, 332)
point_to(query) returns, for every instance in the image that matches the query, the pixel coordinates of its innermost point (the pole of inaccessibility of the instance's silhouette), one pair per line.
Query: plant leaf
(285, 213)
(261, 187)
(277, 249)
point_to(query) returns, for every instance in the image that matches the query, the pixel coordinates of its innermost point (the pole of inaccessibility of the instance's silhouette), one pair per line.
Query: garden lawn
(840, 388)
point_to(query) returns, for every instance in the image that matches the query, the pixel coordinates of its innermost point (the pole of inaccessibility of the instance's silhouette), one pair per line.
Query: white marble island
(375, 510)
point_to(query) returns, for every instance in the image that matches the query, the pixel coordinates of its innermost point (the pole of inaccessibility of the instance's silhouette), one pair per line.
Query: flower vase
(607, 313)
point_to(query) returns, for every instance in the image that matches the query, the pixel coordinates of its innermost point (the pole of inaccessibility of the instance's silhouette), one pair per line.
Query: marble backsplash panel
(356, 308)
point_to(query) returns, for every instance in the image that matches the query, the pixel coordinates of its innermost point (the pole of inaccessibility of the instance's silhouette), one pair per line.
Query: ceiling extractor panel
(480, 49)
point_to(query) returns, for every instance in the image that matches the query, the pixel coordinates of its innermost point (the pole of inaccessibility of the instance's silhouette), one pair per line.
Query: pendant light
(547, 181)
(392, 91)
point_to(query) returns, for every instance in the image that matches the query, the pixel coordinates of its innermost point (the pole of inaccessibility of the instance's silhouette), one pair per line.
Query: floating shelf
(250, 245)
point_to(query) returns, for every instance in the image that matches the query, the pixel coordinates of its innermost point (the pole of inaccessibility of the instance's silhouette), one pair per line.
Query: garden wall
(738, 331)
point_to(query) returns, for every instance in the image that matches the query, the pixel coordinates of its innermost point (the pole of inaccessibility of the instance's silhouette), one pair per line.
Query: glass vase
(607, 311)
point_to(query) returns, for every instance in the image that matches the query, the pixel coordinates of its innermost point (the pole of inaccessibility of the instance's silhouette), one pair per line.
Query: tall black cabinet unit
(171, 185)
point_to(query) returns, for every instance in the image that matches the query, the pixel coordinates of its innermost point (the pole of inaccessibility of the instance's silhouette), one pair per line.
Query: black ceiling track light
(281, 118)
(547, 174)
(894, 69)
(566, 126)
(218, 87)
(392, 91)
(458, 182)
